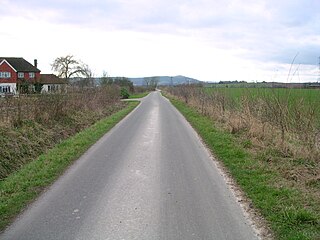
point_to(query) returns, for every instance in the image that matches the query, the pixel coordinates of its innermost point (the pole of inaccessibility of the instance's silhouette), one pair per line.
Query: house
(314, 85)
(52, 83)
(15, 73)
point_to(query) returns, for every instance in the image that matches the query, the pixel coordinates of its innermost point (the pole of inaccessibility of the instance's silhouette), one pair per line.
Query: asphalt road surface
(150, 177)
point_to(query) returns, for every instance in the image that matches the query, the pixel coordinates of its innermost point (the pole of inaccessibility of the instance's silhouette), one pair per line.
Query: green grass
(311, 96)
(306, 98)
(23, 186)
(282, 207)
(139, 95)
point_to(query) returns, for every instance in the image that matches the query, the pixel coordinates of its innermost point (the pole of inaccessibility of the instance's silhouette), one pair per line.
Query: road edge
(252, 215)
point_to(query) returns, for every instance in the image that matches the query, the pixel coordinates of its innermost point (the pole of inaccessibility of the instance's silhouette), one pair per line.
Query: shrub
(124, 93)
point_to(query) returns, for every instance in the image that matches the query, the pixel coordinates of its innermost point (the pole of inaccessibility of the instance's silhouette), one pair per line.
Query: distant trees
(126, 86)
(120, 81)
(87, 79)
(67, 67)
(105, 79)
(151, 82)
(154, 82)
(147, 81)
(124, 82)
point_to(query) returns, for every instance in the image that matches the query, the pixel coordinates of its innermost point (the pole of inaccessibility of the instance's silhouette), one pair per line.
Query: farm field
(310, 96)
(291, 114)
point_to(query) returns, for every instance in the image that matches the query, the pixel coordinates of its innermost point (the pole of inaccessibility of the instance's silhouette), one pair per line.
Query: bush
(124, 93)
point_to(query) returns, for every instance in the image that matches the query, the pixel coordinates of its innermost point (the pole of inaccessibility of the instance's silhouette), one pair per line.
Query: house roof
(51, 79)
(20, 64)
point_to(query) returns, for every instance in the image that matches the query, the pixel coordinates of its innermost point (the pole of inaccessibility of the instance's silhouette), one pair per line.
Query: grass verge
(283, 207)
(139, 95)
(23, 186)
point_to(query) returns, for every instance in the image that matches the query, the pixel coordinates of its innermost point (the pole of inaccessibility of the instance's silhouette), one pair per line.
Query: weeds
(32, 124)
(288, 122)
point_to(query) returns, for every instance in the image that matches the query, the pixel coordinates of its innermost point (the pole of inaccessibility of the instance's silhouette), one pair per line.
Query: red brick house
(16, 71)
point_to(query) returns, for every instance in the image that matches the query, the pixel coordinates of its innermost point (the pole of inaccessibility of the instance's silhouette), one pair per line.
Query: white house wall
(56, 88)
(44, 88)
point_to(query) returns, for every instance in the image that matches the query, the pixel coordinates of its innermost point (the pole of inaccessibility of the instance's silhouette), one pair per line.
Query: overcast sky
(210, 40)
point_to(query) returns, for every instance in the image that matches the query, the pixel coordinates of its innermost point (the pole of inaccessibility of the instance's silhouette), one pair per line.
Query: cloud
(260, 34)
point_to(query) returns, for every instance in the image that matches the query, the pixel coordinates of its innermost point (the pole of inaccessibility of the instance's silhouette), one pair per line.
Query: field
(288, 119)
(309, 95)
(310, 98)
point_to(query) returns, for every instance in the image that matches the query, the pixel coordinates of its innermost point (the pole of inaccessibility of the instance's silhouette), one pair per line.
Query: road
(150, 177)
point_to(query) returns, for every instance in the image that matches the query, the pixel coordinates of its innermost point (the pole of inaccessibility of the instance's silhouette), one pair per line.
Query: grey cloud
(269, 30)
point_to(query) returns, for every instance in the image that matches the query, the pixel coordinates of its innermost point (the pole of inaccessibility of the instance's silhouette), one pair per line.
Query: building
(52, 84)
(15, 72)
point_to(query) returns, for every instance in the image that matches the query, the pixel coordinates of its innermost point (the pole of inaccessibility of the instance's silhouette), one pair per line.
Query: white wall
(53, 88)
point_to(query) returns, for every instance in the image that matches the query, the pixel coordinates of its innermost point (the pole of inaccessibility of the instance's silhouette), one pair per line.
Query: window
(20, 75)
(5, 89)
(5, 75)
(31, 74)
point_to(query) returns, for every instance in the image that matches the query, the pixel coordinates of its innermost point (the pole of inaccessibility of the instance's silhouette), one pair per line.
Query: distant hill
(163, 80)
(166, 80)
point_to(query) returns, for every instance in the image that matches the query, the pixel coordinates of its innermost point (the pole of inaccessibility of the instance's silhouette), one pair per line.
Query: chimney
(36, 63)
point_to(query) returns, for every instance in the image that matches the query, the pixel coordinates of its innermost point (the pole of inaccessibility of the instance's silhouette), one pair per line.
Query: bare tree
(87, 74)
(68, 67)
(151, 82)
(154, 82)
(147, 81)
(106, 79)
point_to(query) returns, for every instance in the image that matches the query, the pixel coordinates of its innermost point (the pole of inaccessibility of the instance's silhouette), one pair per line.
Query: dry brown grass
(50, 107)
(31, 124)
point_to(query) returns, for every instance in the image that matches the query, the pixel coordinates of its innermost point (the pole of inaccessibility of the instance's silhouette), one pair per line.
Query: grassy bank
(290, 213)
(23, 186)
(21, 145)
(138, 95)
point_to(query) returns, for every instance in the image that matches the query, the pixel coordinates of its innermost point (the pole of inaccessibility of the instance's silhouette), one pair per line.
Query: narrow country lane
(149, 178)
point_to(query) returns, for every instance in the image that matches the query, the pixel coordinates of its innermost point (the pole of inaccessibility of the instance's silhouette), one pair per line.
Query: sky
(210, 40)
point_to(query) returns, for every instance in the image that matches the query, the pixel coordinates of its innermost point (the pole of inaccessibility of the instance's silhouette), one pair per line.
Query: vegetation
(32, 124)
(127, 88)
(287, 119)
(151, 82)
(26, 87)
(269, 141)
(124, 93)
(23, 186)
(139, 95)
(309, 95)
(67, 67)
